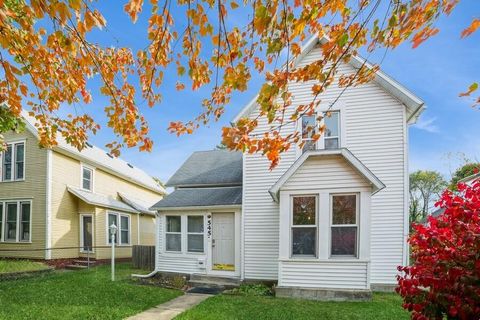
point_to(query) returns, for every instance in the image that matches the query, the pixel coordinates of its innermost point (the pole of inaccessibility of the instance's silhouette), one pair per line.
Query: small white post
(113, 232)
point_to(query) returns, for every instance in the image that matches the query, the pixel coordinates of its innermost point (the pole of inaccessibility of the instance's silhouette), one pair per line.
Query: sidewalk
(172, 308)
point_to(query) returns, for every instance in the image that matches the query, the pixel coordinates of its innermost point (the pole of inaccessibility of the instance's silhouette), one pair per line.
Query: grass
(9, 266)
(383, 306)
(85, 294)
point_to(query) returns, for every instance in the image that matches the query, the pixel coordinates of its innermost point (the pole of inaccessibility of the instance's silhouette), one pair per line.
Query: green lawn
(85, 294)
(8, 266)
(383, 306)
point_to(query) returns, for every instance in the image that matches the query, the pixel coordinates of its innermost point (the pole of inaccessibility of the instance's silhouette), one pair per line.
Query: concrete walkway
(172, 308)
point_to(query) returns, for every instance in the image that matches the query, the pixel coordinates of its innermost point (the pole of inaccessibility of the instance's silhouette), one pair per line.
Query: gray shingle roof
(100, 200)
(201, 197)
(213, 168)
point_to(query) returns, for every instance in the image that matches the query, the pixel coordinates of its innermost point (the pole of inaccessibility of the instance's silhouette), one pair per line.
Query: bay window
(173, 234)
(15, 221)
(195, 234)
(304, 226)
(344, 227)
(13, 162)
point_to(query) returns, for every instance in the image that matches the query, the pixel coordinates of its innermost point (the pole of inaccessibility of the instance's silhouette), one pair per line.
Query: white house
(328, 222)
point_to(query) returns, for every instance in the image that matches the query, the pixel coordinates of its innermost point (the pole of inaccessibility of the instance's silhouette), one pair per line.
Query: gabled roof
(209, 168)
(413, 104)
(377, 185)
(100, 158)
(137, 204)
(200, 197)
(99, 200)
(470, 178)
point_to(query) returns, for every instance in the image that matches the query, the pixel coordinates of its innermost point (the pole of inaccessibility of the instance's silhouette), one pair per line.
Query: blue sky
(437, 72)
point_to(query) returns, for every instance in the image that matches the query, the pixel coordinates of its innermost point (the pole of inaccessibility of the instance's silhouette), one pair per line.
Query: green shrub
(252, 290)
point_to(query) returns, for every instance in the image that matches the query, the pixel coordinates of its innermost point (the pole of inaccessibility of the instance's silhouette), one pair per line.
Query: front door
(87, 233)
(223, 241)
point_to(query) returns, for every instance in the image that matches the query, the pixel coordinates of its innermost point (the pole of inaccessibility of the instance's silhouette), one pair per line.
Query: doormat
(226, 267)
(205, 290)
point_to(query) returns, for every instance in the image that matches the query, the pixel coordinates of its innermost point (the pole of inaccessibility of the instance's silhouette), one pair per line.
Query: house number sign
(209, 226)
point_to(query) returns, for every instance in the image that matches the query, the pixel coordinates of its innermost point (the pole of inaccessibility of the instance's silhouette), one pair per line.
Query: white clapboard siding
(173, 262)
(325, 173)
(374, 128)
(320, 274)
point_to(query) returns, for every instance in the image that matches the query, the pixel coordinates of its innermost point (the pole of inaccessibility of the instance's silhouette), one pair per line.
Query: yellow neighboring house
(54, 199)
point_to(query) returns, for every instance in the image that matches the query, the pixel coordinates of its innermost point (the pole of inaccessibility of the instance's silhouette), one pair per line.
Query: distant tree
(463, 172)
(425, 189)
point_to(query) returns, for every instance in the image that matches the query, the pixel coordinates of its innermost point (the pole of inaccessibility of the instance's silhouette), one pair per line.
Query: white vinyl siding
(373, 128)
(325, 274)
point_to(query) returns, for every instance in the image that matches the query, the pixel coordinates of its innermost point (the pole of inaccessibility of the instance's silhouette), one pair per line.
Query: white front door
(223, 241)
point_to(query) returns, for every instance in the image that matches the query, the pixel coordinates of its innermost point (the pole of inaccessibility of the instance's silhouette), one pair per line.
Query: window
(13, 162)
(304, 226)
(122, 221)
(173, 234)
(344, 229)
(195, 234)
(332, 130)
(87, 178)
(330, 139)
(15, 221)
(309, 128)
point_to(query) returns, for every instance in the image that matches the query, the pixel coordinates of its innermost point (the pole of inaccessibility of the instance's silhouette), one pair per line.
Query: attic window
(128, 164)
(108, 154)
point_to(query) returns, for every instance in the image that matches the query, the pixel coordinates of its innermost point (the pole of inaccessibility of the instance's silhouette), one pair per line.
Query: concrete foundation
(380, 287)
(323, 294)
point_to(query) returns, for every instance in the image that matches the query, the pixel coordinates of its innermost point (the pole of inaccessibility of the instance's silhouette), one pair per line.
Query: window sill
(11, 181)
(15, 242)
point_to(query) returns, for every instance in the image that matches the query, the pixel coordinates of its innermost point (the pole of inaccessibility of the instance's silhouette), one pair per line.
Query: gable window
(13, 162)
(195, 234)
(87, 178)
(344, 227)
(122, 221)
(173, 234)
(15, 221)
(330, 139)
(304, 226)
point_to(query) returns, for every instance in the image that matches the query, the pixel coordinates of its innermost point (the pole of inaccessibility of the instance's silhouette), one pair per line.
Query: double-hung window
(309, 128)
(304, 226)
(332, 130)
(15, 221)
(195, 234)
(173, 233)
(13, 162)
(87, 178)
(344, 227)
(122, 222)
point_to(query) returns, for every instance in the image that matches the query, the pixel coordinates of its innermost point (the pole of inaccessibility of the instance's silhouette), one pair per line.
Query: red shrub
(444, 277)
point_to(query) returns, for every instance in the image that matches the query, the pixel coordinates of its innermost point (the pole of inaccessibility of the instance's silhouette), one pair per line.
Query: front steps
(211, 284)
(81, 264)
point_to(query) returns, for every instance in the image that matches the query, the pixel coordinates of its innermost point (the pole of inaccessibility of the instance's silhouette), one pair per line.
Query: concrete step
(85, 262)
(75, 267)
(212, 284)
(215, 279)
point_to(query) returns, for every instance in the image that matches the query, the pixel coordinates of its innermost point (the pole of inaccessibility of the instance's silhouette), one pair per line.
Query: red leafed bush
(443, 280)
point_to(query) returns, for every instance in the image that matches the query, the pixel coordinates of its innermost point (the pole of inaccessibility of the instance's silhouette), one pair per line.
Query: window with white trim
(87, 178)
(173, 233)
(195, 230)
(344, 225)
(15, 221)
(13, 162)
(332, 130)
(122, 221)
(330, 139)
(304, 226)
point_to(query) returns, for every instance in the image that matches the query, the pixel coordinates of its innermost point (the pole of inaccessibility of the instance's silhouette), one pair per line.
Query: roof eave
(97, 204)
(231, 206)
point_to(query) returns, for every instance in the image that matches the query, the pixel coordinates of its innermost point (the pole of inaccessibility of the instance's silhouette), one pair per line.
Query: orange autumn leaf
(472, 28)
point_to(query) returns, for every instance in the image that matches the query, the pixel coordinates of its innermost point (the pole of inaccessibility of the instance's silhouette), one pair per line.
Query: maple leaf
(471, 28)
